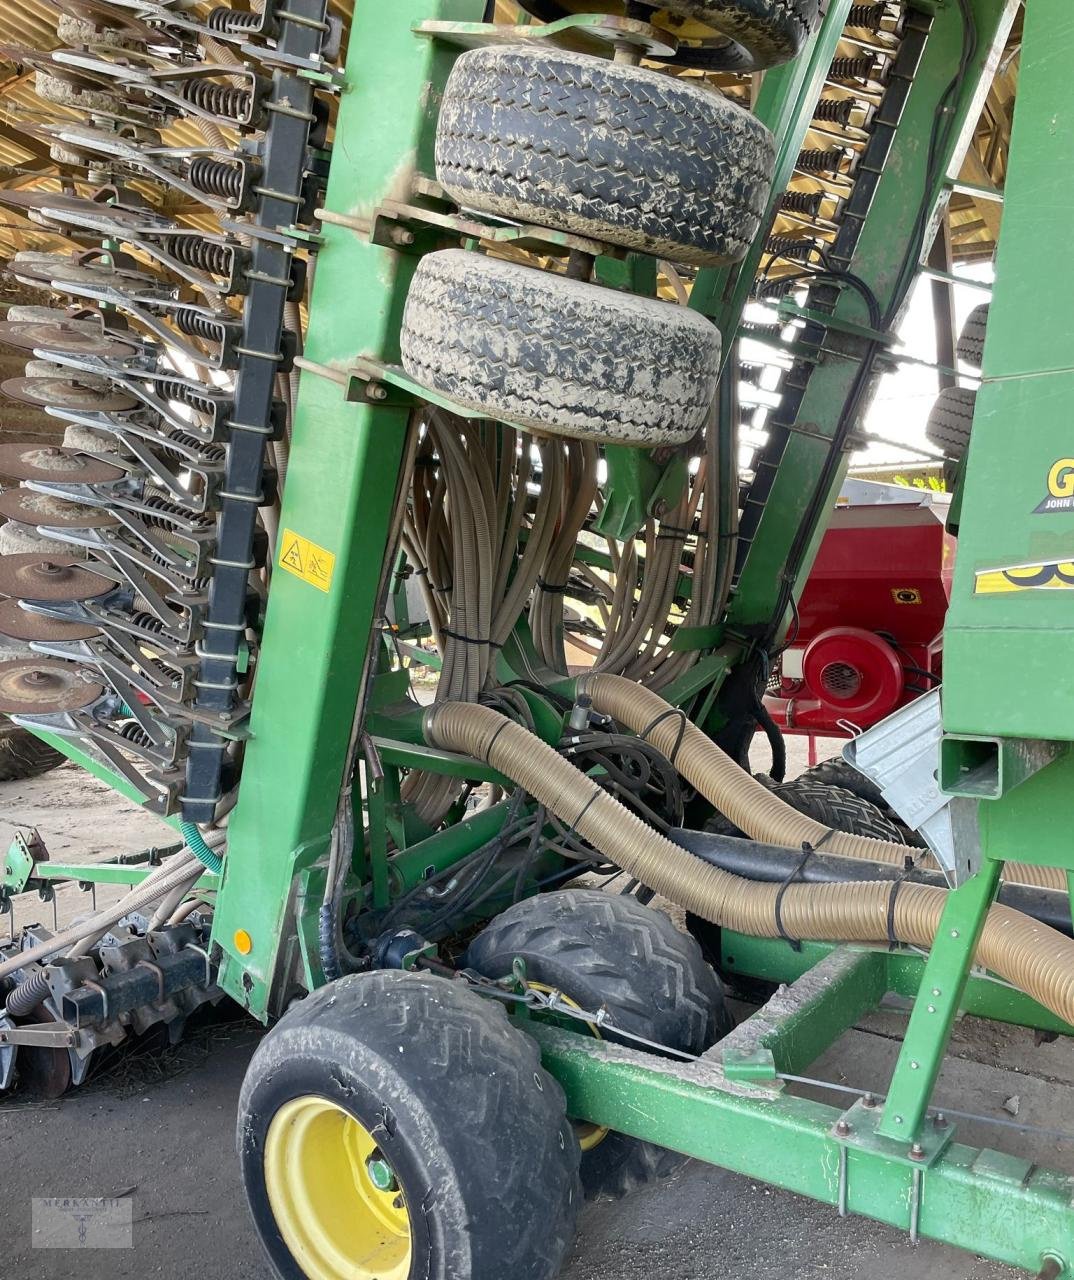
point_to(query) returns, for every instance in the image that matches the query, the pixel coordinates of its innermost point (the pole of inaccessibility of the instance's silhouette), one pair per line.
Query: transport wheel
(395, 1126)
(23, 755)
(971, 341)
(602, 950)
(762, 33)
(951, 421)
(835, 807)
(622, 154)
(558, 356)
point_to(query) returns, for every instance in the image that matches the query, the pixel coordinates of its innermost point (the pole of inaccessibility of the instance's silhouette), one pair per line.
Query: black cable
(776, 744)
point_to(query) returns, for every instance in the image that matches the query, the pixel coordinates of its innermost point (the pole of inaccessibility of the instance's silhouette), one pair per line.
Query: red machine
(870, 620)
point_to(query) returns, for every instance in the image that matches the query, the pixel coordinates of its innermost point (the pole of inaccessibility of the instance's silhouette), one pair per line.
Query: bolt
(935, 991)
(374, 391)
(914, 1066)
(954, 933)
(917, 1152)
(897, 1119)
(380, 1172)
(402, 236)
(939, 1120)
(932, 1008)
(842, 1128)
(869, 1100)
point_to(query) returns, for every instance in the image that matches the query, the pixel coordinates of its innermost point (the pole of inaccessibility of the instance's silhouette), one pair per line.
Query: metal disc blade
(77, 338)
(18, 623)
(40, 687)
(64, 393)
(51, 464)
(33, 575)
(42, 509)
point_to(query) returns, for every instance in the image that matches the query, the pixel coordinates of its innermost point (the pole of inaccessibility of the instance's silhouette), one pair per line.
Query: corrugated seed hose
(748, 803)
(1027, 954)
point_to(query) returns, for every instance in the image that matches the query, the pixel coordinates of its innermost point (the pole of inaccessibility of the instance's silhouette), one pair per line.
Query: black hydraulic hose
(774, 864)
(778, 747)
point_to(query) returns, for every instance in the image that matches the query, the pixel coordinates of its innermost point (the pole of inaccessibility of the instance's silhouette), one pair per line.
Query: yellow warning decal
(906, 595)
(306, 560)
(1055, 576)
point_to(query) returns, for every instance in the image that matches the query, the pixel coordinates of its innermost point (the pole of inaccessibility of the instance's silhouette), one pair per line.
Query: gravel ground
(159, 1130)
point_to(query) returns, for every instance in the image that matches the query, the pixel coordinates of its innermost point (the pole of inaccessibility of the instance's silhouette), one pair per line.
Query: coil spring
(197, 325)
(194, 586)
(169, 389)
(868, 17)
(147, 622)
(804, 202)
(216, 177)
(763, 330)
(202, 255)
(814, 160)
(157, 503)
(232, 21)
(134, 733)
(835, 110)
(774, 288)
(792, 247)
(206, 452)
(852, 68)
(228, 101)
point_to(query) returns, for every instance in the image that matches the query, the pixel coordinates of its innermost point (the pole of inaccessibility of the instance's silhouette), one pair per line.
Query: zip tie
(455, 635)
(908, 868)
(807, 852)
(550, 588)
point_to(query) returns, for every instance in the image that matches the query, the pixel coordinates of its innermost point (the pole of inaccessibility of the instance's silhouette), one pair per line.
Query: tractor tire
(834, 806)
(558, 356)
(23, 755)
(395, 1126)
(602, 950)
(762, 33)
(951, 421)
(624, 155)
(838, 772)
(970, 349)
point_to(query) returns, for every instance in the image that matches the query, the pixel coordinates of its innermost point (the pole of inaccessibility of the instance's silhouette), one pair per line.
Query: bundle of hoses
(748, 803)
(1029, 955)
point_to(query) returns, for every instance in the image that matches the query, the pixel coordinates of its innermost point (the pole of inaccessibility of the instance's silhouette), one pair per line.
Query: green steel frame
(323, 674)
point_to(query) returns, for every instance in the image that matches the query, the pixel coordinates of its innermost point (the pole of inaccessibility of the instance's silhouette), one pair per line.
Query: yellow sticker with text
(306, 560)
(1056, 576)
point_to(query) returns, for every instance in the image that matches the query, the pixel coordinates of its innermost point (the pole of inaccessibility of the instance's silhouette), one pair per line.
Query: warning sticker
(306, 560)
(1056, 576)
(906, 595)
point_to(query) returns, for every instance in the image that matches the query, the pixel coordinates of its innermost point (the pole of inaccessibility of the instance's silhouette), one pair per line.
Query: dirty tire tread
(970, 349)
(835, 806)
(951, 421)
(838, 772)
(558, 356)
(22, 755)
(464, 1113)
(602, 949)
(765, 33)
(621, 154)
(838, 808)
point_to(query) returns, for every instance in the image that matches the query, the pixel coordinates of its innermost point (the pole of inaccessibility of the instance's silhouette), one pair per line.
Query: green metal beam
(994, 1205)
(877, 261)
(341, 492)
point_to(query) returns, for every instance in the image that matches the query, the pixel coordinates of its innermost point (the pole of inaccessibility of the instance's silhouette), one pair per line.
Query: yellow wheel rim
(588, 1135)
(335, 1199)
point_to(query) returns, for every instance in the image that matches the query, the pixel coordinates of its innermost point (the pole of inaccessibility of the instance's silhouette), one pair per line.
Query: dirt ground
(159, 1130)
